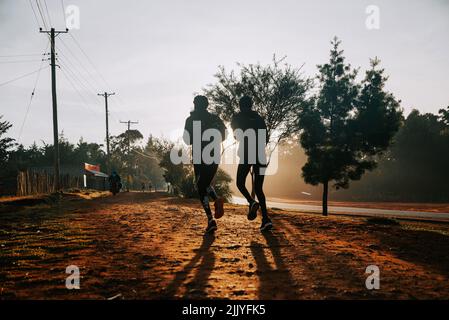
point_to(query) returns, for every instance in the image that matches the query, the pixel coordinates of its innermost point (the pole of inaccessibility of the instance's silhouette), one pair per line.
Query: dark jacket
(208, 121)
(245, 120)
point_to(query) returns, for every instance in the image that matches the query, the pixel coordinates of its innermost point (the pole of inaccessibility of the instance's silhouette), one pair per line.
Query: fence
(41, 182)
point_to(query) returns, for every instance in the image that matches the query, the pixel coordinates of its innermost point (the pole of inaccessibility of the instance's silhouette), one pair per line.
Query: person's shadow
(197, 286)
(273, 282)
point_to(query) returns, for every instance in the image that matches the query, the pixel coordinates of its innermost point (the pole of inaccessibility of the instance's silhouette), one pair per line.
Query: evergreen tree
(347, 124)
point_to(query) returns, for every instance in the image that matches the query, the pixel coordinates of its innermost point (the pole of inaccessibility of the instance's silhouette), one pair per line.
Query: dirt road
(151, 246)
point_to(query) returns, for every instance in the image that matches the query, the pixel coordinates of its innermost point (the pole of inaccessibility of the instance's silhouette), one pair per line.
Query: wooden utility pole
(53, 35)
(129, 122)
(106, 95)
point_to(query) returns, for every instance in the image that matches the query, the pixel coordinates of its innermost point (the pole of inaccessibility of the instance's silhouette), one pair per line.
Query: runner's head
(245, 103)
(200, 103)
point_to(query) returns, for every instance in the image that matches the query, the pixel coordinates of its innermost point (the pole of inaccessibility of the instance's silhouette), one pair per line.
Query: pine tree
(347, 124)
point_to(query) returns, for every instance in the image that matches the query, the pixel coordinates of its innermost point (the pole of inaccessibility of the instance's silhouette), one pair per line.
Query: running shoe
(266, 224)
(252, 212)
(219, 211)
(211, 226)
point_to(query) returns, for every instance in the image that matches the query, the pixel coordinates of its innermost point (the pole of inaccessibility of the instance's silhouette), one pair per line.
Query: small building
(85, 175)
(95, 179)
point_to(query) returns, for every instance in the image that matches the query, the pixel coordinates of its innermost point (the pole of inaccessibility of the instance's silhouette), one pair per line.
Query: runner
(250, 158)
(204, 173)
(115, 182)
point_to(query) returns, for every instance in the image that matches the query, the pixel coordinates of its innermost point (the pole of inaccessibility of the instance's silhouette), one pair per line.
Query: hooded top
(250, 119)
(207, 121)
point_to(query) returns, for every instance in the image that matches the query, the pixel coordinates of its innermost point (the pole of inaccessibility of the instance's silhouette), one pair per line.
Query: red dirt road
(151, 246)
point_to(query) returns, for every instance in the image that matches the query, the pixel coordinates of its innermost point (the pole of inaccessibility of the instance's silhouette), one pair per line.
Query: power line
(90, 61)
(48, 13)
(66, 58)
(63, 13)
(79, 62)
(35, 15)
(85, 103)
(40, 12)
(146, 155)
(75, 77)
(19, 61)
(86, 71)
(119, 100)
(20, 55)
(22, 76)
(72, 78)
(31, 98)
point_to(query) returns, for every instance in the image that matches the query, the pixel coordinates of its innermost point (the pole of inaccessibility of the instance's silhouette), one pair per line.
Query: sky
(155, 55)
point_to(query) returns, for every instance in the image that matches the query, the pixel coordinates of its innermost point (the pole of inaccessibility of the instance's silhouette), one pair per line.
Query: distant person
(252, 155)
(150, 186)
(143, 186)
(115, 182)
(204, 172)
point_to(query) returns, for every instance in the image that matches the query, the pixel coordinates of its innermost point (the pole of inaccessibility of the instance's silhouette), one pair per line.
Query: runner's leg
(211, 192)
(258, 187)
(242, 173)
(218, 201)
(202, 173)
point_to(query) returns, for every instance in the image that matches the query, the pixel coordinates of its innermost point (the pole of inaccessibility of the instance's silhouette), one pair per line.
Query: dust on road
(151, 246)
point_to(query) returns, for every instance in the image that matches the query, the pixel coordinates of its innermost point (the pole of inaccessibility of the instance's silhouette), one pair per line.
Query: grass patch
(426, 229)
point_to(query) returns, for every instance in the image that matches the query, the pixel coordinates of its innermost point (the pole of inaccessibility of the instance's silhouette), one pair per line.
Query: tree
(123, 150)
(277, 90)
(174, 174)
(346, 125)
(90, 153)
(444, 116)
(182, 177)
(5, 142)
(147, 163)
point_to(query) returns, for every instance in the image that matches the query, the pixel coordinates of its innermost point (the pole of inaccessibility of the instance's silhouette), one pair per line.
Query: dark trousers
(242, 173)
(204, 174)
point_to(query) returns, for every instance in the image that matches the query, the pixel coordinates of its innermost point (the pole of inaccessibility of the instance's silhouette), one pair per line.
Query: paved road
(354, 211)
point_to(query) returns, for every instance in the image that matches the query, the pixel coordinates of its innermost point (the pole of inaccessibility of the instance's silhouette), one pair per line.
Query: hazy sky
(156, 54)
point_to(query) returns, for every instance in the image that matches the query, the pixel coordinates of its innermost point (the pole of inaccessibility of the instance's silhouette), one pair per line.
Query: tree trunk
(325, 191)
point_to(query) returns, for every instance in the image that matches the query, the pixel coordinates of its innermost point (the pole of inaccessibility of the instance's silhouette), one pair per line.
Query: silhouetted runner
(115, 182)
(252, 154)
(204, 173)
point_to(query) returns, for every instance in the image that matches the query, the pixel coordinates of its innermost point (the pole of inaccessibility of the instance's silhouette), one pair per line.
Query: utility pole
(106, 95)
(129, 122)
(53, 34)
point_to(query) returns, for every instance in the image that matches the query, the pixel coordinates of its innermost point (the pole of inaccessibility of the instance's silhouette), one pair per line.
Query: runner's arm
(188, 129)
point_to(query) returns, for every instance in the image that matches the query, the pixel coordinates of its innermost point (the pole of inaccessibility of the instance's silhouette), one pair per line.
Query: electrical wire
(63, 13)
(35, 15)
(40, 12)
(20, 55)
(18, 61)
(77, 91)
(32, 96)
(48, 13)
(22, 76)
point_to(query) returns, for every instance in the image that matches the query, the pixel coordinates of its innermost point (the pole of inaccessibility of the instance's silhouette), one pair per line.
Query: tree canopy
(277, 90)
(347, 124)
